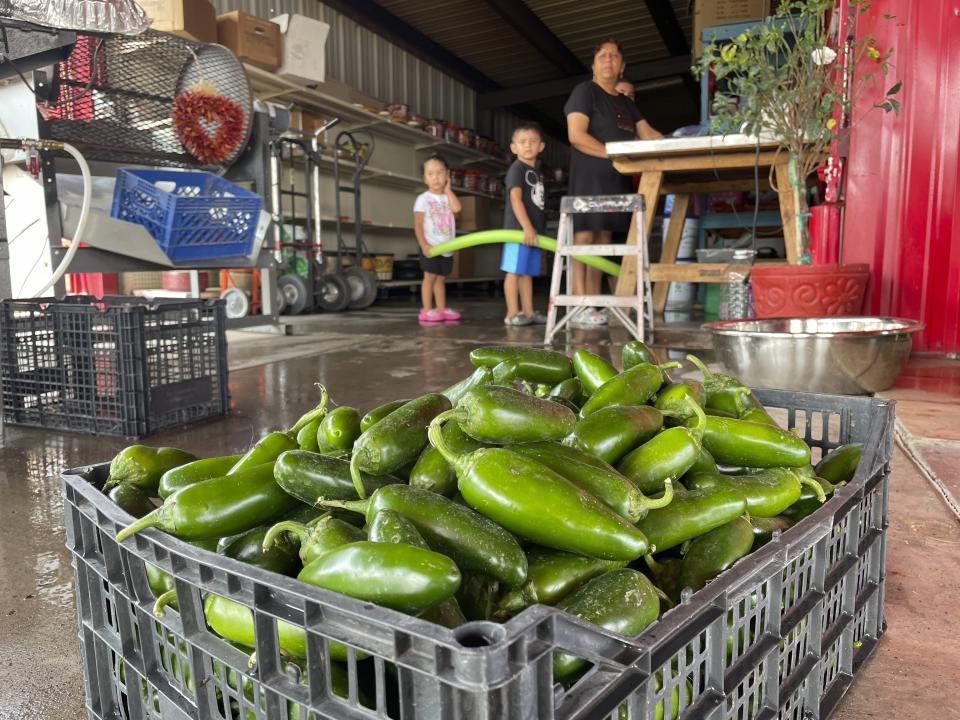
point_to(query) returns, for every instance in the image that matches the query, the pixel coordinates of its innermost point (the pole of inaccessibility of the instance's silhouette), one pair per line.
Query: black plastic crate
(117, 366)
(779, 635)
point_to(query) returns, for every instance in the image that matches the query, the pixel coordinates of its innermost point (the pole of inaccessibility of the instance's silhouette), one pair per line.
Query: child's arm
(418, 231)
(520, 212)
(451, 198)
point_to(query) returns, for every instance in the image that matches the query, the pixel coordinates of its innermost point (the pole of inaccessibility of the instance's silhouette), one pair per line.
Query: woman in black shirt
(598, 114)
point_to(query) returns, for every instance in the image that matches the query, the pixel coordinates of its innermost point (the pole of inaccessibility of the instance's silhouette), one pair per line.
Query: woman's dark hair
(607, 41)
(439, 158)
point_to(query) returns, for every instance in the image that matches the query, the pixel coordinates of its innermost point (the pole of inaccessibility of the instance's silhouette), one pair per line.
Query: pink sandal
(449, 314)
(431, 316)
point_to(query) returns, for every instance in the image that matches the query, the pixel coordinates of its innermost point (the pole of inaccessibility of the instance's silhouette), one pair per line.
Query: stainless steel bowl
(837, 355)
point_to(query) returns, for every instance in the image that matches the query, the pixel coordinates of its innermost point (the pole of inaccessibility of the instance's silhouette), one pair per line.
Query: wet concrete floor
(365, 359)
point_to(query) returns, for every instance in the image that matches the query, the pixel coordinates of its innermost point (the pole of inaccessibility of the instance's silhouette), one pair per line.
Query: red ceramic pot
(808, 290)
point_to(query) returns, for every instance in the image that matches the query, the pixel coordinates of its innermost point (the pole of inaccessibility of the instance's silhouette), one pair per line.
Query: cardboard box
(252, 39)
(707, 13)
(305, 121)
(475, 214)
(463, 264)
(192, 19)
(304, 48)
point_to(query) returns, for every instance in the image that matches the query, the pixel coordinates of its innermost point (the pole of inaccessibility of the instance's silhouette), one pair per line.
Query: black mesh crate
(118, 366)
(779, 635)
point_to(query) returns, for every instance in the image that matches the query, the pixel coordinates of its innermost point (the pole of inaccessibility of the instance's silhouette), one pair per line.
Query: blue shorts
(520, 259)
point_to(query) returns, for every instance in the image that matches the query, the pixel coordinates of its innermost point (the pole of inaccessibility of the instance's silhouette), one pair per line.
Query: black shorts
(439, 265)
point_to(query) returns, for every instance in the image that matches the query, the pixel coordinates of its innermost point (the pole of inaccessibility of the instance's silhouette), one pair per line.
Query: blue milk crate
(193, 215)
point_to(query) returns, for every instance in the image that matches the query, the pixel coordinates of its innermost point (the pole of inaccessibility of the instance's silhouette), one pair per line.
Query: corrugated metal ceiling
(474, 31)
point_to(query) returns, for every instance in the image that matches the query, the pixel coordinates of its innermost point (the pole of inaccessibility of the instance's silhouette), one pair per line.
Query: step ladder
(634, 251)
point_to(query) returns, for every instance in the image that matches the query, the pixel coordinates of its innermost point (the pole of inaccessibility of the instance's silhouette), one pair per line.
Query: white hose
(81, 224)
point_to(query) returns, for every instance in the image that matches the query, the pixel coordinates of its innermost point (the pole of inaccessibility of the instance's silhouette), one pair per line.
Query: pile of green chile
(539, 478)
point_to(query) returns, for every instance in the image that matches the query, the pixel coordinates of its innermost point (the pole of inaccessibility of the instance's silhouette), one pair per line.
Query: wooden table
(683, 166)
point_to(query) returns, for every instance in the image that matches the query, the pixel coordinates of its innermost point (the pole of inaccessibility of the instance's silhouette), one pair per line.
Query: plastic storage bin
(193, 215)
(117, 366)
(779, 635)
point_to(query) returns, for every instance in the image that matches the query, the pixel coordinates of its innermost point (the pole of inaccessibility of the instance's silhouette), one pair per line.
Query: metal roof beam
(668, 26)
(642, 72)
(530, 27)
(383, 22)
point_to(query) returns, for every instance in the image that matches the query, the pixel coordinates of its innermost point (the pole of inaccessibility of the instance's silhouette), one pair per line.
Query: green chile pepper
(391, 527)
(222, 506)
(598, 479)
(478, 595)
(314, 539)
(613, 431)
(142, 466)
(131, 499)
(570, 390)
(447, 614)
(505, 373)
(535, 365)
(306, 514)
(267, 450)
(722, 391)
(767, 493)
(497, 414)
(432, 471)
(692, 513)
(476, 543)
(764, 528)
(747, 408)
(631, 387)
(672, 399)
(667, 456)
(841, 464)
(622, 600)
(715, 551)
(307, 437)
(666, 575)
(234, 622)
(532, 501)
(194, 472)
(552, 576)
(396, 440)
(592, 370)
(481, 376)
(341, 427)
(395, 575)
(379, 413)
(279, 557)
(314, 413)
(703, 464)
(636, 353)
(809, 501)
(310, 476)
(749, 444)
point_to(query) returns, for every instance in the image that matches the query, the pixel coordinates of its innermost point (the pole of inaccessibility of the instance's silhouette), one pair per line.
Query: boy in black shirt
(523, 211)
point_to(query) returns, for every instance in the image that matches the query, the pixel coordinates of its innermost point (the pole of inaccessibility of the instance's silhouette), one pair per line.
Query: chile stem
(151, 519)
(356, 477)
(663, 500)
(817, 488)
(698, 363)
(697, 431)
(319, 411)
(357, 506)
(160, 606)
(301, 531)
(435, 434)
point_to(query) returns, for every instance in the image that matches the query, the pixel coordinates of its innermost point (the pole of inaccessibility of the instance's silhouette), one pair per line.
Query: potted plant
(789, 79)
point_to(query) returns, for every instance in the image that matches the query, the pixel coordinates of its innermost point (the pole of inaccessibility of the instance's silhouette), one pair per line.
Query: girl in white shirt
(434, 223)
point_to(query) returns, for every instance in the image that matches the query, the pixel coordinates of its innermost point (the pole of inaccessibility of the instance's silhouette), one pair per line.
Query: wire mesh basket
(113, 97)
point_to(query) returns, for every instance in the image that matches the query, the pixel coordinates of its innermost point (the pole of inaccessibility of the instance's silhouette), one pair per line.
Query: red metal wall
(903, 184)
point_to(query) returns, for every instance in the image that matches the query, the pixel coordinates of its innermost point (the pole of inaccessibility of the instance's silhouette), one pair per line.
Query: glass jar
(434, 128)
(457, 177)
(466, 137)
(451, 133)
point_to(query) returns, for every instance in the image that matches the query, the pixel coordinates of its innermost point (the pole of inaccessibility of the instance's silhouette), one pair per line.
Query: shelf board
(468, 155)
(477, 193)
(92, 260)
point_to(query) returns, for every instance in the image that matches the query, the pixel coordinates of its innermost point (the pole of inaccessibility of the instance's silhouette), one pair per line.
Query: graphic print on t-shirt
(441, 218)
(536, 187)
